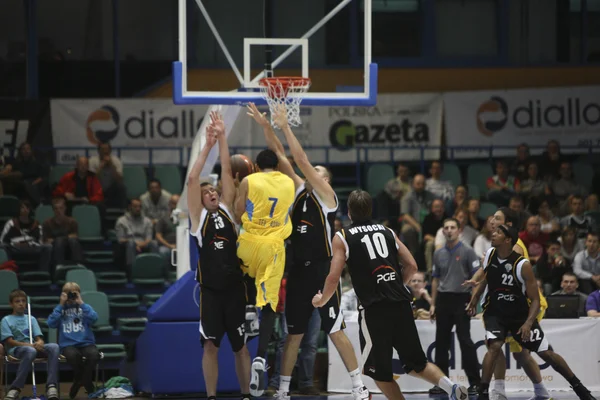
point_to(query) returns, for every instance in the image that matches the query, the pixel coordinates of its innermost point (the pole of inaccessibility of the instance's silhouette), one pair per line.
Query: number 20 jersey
(372, 259)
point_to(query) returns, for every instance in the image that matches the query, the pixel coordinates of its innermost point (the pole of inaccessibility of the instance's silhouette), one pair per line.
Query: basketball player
(222, 293)
(506, 216)
(510, 284)
(264, 200)
(374, 256)
(313, 216)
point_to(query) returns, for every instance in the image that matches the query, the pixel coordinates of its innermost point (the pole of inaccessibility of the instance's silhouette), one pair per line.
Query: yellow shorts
(263, 258)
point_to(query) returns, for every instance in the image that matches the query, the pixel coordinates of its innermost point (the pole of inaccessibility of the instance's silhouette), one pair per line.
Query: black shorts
(499, 328)
(386, 326)
(221, 312)
(303, 283)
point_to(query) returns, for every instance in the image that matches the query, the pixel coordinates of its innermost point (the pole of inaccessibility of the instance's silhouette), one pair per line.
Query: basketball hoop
(287, 91)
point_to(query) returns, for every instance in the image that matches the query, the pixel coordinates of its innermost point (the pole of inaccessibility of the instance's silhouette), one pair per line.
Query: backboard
(365, 95)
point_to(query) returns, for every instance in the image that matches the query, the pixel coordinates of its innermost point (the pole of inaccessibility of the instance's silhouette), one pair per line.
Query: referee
(452, 265)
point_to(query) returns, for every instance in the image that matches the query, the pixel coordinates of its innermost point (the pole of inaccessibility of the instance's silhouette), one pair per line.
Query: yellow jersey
(270, 198)
(543, 301)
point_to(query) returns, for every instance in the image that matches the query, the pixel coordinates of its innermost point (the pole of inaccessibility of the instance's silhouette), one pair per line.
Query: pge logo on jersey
(385, 273)
(492, 116)
(102, 125)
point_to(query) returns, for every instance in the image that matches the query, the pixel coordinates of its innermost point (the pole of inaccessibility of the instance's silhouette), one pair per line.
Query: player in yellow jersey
(505, 216)
(264, 202)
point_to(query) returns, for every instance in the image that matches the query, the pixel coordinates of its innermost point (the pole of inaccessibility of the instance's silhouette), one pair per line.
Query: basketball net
(285, 91)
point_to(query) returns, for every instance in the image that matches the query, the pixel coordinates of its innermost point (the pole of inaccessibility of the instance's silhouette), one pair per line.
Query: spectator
(441, 189)
(31, 173)
(80, 186)
(431, 224)
(502, 186)
(521, 164)
(399, 186)
(74, 320)
(534, 239)
(61, 232)
(549, 223)
(577, 219)
(551, 267)
(516, 204)
(109, 170)
(134, 232)
(484, 240)
(466, 235)
(8, 177)
(592, 305)
(459, 201)
(166, 231)
(591, 203)
(415, 204)
(550, 161)
(566, 185)
(22, 238)
(421, 299)
(533, 185)
(570, 245)
(473, 219)
(587, 264)
(569, 285)
(155, 202)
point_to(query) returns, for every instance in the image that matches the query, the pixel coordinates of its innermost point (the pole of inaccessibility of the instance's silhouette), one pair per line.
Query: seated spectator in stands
(109, 170)
(592, 305)
(549, 223)
(441, 189)
(155, 202)
(134, 232)
(8, 177)
(591, 203)
(502, 186)
(431, 224)
(80, 186)
(569, 286)
(74, 320)
(566, 185)
(473, 219)
(533, 185)
(466, 236)
(577, 219)
(570, 245)
(484, 240)
(534, 239)
(551, 267)
(415, 204)
(522, 162)
(551, 160)
(22, 238)
(31, 173)
(166, 231)
(459, 201)
(389, 200)
(516, 204)
(421, 299)
(587, 264)
(61, 231)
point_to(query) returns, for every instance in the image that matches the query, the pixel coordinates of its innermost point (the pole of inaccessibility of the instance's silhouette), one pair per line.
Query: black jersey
(218, 264)
(313, 224)
(505, 294)
(372, 259)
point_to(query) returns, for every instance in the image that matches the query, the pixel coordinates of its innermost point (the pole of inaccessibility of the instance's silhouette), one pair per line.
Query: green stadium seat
(112, 351)
(111, 278)
(88, 221)
(3, 256)
(377, 176)
(57, 172)
(583, 172)
(131, 325)
(148, 269)
(43, 212)
(8, 283)
(135, 180)
(451, 173)
(99, 302)
(487, 209)
(85, 278)
(123, 301)
(149, 299)
(43, 305)
(9, 208)
(31, 279)
(169, 177)
(60, 273)
(473, 191)
(477, 174)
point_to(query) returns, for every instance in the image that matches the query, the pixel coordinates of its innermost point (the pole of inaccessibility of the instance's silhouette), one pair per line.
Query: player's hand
(279, 116)
(525, 331)
(471, 308)
(432, 313)
(63, 298)
(79, 300)
(470, 283)
(316, 301)
(216, 121)
(211, 136)
(260, 118)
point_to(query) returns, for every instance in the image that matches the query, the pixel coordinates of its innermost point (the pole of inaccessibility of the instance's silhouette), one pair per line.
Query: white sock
(356, 377)
(284, 383)
(446, 385)
(499, 386)
(540, 390)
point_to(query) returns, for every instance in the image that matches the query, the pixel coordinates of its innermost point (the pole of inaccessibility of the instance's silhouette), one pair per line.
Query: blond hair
(71, 287)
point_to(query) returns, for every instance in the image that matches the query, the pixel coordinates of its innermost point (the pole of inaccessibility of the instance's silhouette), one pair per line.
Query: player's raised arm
(227, 182)
(320, 185)
(335, 272)
(240, 200)
(274, 144)
(533, 294)
(194, 192)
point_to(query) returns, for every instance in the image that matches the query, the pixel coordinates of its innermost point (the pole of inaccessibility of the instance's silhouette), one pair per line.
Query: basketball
(240, 164)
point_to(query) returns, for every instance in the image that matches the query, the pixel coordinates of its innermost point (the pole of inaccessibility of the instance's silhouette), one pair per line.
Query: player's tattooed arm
(240, 200)
(274, 144)
(228, 186)
(194, 191)
(322, 187)
(338, 261)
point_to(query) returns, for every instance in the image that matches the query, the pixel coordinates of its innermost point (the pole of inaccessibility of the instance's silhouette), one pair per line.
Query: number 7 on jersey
(274, 200)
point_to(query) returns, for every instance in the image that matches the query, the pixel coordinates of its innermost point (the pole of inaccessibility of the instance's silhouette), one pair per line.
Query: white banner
(575, 340)
(534, 116)
(336, 133)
